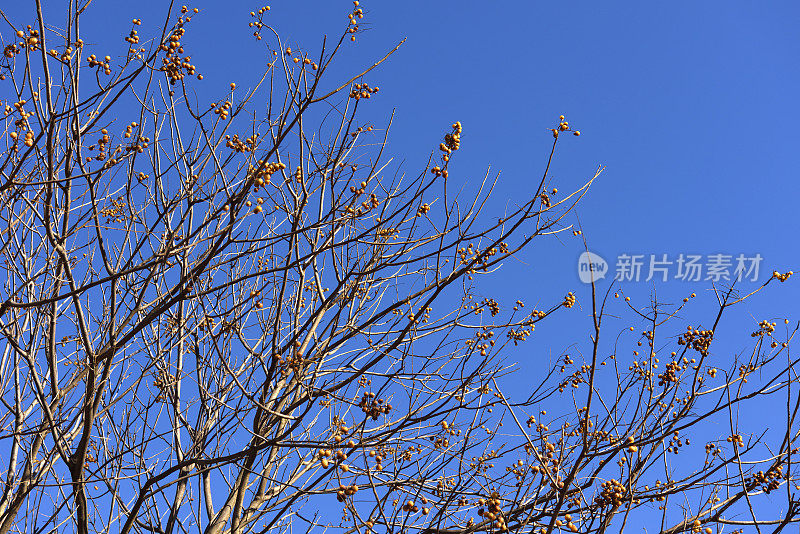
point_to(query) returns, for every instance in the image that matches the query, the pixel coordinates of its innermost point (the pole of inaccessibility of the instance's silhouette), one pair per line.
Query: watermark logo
(662, 267)
(591, 267)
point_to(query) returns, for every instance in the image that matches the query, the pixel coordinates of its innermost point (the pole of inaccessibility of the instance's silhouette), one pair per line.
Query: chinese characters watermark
(663, 267)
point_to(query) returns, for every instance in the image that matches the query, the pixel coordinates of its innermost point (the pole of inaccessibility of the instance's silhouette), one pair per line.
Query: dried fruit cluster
(363, 90)
(782, 277)
(696, 339)
(174, 65)
(374, 407)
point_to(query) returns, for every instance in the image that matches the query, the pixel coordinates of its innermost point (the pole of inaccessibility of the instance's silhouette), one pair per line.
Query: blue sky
(690, 106)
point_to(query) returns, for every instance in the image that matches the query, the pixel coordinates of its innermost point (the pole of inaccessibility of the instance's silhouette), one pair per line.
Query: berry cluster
(366, 205)
(29, 40)
(115, 212)
(676, 442)
(410, 506)
(670, 374)
(237, 145)
(782, 277)
(577, 377)
(569, 524)
(612, 493)
(699, 340)
(133, 36)
(563, 126)
(28, 140)
(102, 146)
(163, 382)
(373, 407)
(346, 491)
(493, 511)
(68, 51)
(697, 525)
(102, 63)
(764, 328)
(737, 439)
(175, 66)
(452, 141)
(362, 90)
(521, 334)
(258, 24)
(357, 13)
(770, 480)
(263, 173)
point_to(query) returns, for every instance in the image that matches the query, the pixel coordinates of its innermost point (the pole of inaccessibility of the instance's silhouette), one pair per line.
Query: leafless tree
(241, 318)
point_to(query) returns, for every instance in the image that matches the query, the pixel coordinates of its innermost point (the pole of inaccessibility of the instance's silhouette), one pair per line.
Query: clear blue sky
(691, 106)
